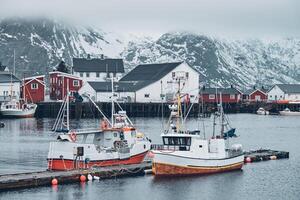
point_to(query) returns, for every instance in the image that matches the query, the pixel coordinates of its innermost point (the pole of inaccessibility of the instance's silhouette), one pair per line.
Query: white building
(289, 92)
(98, 69)
(149, 83)
(9, 87)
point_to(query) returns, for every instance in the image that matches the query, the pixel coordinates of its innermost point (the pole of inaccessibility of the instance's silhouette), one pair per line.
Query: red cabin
(212, 95)
(61, 82)
(255, 95)
(34, 89)
(258, 95)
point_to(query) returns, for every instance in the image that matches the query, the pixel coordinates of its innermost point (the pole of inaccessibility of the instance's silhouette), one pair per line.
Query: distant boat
(262, 111)
(2, 124)
(288, 112)
(17, 109)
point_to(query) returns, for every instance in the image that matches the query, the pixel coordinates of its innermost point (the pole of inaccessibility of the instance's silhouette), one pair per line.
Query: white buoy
(96, 177)
(90, 177)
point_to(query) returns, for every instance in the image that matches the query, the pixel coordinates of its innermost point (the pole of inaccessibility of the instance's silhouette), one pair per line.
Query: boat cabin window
(177, 141)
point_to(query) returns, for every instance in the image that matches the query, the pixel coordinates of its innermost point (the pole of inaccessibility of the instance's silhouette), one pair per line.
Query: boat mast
(68, 111)
(14, 62)
(112, 102)
(222, 116)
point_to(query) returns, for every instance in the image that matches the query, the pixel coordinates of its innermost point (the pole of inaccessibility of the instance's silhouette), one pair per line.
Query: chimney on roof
(102, 56)
(254, 87)
(203, 88)
(89, 56)
(231, 86)
(262, 87)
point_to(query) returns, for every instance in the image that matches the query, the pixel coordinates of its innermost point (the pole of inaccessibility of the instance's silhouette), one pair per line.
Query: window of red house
(75, 83)
(211, 96)
(232, 96)
(34, 86)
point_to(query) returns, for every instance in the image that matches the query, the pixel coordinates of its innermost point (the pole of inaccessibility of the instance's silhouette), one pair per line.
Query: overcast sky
(154, 17)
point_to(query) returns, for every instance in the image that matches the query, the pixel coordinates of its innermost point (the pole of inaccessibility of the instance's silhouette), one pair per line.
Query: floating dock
(43, 178)
(264, 155)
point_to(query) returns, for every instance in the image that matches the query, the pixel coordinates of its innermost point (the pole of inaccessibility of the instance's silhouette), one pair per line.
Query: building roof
(98, 65)
(62, 74)
(288, 88)
(220, 90)
(118, 86)
(8, 77)
(250, 91)
(2, 68)
(150, 72)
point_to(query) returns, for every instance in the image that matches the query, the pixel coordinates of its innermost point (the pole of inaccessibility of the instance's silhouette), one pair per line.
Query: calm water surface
(24, 146)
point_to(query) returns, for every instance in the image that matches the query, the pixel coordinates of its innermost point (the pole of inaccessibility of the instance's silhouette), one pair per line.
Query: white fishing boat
(116, 142)
(288, 112)
(186, 152)
(17, 109)
(262, 111)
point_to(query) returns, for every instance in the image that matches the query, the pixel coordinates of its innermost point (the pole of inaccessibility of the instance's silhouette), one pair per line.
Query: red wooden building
(254, 95)
(61, 82)
(34, 89)
(212, 95)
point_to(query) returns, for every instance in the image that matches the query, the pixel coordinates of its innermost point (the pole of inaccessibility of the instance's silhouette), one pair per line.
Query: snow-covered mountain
(41, 43)
(221, 61)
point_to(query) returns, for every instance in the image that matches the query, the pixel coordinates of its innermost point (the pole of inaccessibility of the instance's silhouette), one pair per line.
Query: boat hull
(18, 113)
(68, 164)
(179, 166)
(289, 113)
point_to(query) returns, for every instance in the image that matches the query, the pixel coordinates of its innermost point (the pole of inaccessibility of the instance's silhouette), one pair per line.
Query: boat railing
(162, 147)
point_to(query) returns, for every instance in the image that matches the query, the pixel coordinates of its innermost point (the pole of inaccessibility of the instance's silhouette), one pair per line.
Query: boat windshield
(180, 141)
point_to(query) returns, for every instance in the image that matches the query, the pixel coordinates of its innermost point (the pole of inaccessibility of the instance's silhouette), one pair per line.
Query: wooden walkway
(43, 178)
(40, 178)
(264, 155)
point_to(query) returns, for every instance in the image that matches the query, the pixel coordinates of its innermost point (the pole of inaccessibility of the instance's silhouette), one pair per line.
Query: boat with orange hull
(185, 152)
(160, 169)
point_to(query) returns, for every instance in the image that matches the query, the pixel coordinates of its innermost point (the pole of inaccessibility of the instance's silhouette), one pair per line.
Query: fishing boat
(288, 112)
(18, 109)
(115, 142)
(262, 111)
(185, 152)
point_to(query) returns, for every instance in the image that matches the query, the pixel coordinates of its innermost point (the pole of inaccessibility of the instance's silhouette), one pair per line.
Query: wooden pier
(43, 178)
(264, 155)
(87, 110)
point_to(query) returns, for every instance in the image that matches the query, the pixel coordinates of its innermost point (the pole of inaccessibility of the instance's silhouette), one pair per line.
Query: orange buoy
(54, 181)
(248, 160)
(82, 178)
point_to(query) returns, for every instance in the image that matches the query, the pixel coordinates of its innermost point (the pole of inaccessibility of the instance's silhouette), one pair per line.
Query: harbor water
(24, 146)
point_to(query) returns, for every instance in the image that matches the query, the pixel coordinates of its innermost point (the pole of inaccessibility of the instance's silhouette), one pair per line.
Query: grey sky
(217, 17)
